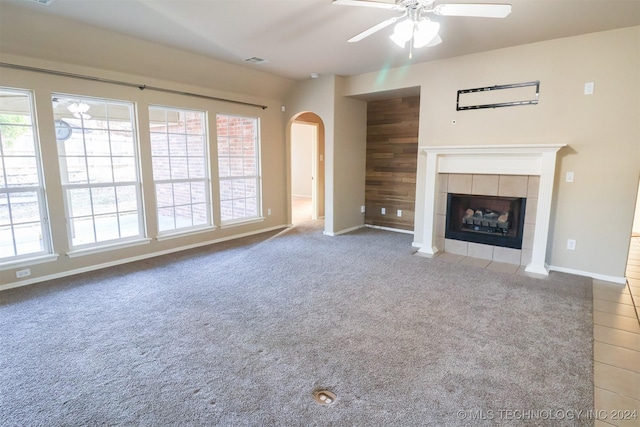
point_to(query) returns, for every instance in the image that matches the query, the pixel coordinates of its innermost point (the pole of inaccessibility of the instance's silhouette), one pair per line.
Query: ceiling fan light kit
(414, 26)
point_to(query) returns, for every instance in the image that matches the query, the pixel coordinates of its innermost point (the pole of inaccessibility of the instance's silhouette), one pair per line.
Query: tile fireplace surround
(515, 163)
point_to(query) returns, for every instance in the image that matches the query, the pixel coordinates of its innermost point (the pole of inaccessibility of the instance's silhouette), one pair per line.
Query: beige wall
(601, 130)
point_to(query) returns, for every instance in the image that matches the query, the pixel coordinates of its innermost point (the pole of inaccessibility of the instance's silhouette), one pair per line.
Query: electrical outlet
(383, 211)
(399, 213)
(23, 273)
(269, 211)
(588, 88)
(571, 245)
(362, 209)
(569, 177)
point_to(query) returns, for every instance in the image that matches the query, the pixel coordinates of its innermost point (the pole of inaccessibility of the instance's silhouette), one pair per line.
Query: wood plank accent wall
(392, 161)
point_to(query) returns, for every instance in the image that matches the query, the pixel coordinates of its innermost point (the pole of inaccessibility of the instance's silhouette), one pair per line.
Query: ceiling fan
(413, 24)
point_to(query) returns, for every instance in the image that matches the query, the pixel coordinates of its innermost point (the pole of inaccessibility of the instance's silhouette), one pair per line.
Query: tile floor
(300, 209)
(616, 334)
(616, 346)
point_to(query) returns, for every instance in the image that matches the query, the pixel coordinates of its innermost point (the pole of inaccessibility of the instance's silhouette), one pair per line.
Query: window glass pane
(225, 190)
(82, 232)
(119, 117)
(23, 231)
(159, 144)
(4, 210)
(24, 207)
(96, 155)
(97, 143)
(198, 194)
(124, 169)
(129, 226)
(100, 169)
(74, 170)
(238, 167)
(180, 166)
(72, 147)
(21, 171)
(183, 216)
(28, 238)
(199, 214)
(166, 219)
(195, 145)
(164, 195)
(226, 210)
(197, 168)
(6, 242)
(17, 140)
(161, 168)
(177, 145)
(107, 227)
(127, 198)
(104, 200)
(182, 193)
(79, 202)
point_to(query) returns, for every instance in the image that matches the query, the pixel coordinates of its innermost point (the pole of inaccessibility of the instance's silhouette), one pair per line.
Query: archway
(306, 177)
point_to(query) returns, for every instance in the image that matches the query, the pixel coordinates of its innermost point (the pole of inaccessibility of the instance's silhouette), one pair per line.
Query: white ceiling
(300, 37)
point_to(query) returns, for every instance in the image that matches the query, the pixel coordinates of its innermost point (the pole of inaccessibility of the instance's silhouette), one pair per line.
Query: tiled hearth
(488, 185)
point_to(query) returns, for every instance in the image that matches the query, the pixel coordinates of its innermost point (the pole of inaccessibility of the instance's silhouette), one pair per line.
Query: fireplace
(537, 160)
(491, 220)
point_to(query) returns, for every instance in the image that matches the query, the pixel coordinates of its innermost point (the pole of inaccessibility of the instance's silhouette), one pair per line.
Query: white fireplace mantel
(526, 159)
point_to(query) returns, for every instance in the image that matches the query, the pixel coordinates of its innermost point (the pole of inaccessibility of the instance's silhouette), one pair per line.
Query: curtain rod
(121, 83)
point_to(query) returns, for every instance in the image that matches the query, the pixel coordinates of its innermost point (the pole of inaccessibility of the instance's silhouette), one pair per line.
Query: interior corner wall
(601, 131)
(350, 147)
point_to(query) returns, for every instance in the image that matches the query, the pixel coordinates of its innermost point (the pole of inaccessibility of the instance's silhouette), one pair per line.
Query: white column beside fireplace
(538, 159)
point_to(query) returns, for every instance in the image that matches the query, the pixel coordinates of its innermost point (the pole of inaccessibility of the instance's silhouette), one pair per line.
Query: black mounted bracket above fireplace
(488, 97)
(490, 220)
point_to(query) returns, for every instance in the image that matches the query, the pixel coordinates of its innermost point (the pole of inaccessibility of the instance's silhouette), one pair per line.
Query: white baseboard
(603, 277)
(132, 259)
(395, 230)
(337, 233)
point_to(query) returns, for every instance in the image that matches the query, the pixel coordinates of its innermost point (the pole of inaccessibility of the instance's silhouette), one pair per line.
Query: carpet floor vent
(324, 397)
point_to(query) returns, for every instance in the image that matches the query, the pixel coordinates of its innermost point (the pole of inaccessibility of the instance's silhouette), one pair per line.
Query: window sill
(189, 232)
(104, 248)
(230, 224)
(40, 259)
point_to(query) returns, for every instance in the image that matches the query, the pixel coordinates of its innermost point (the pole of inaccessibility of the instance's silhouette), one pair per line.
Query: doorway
(304, 172)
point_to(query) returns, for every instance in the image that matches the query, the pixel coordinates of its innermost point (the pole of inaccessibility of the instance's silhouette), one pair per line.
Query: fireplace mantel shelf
(498, 149)
(514, 159)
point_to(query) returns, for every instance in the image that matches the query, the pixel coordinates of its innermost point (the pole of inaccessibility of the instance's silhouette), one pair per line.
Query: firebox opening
(491, 220)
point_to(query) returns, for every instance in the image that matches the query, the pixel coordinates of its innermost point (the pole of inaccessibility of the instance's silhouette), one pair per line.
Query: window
(24, 231)
(99, 170)
(180, 168)
(238, 163)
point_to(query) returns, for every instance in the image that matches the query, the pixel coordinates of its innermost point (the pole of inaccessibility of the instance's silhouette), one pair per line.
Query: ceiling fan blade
(375, 28)
(478, 10)
(435, 41)
(377, 4)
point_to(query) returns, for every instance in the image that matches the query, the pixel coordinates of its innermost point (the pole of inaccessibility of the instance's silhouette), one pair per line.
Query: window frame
(120, 242)
(46, 253)
(206, 180)
(258, 177)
